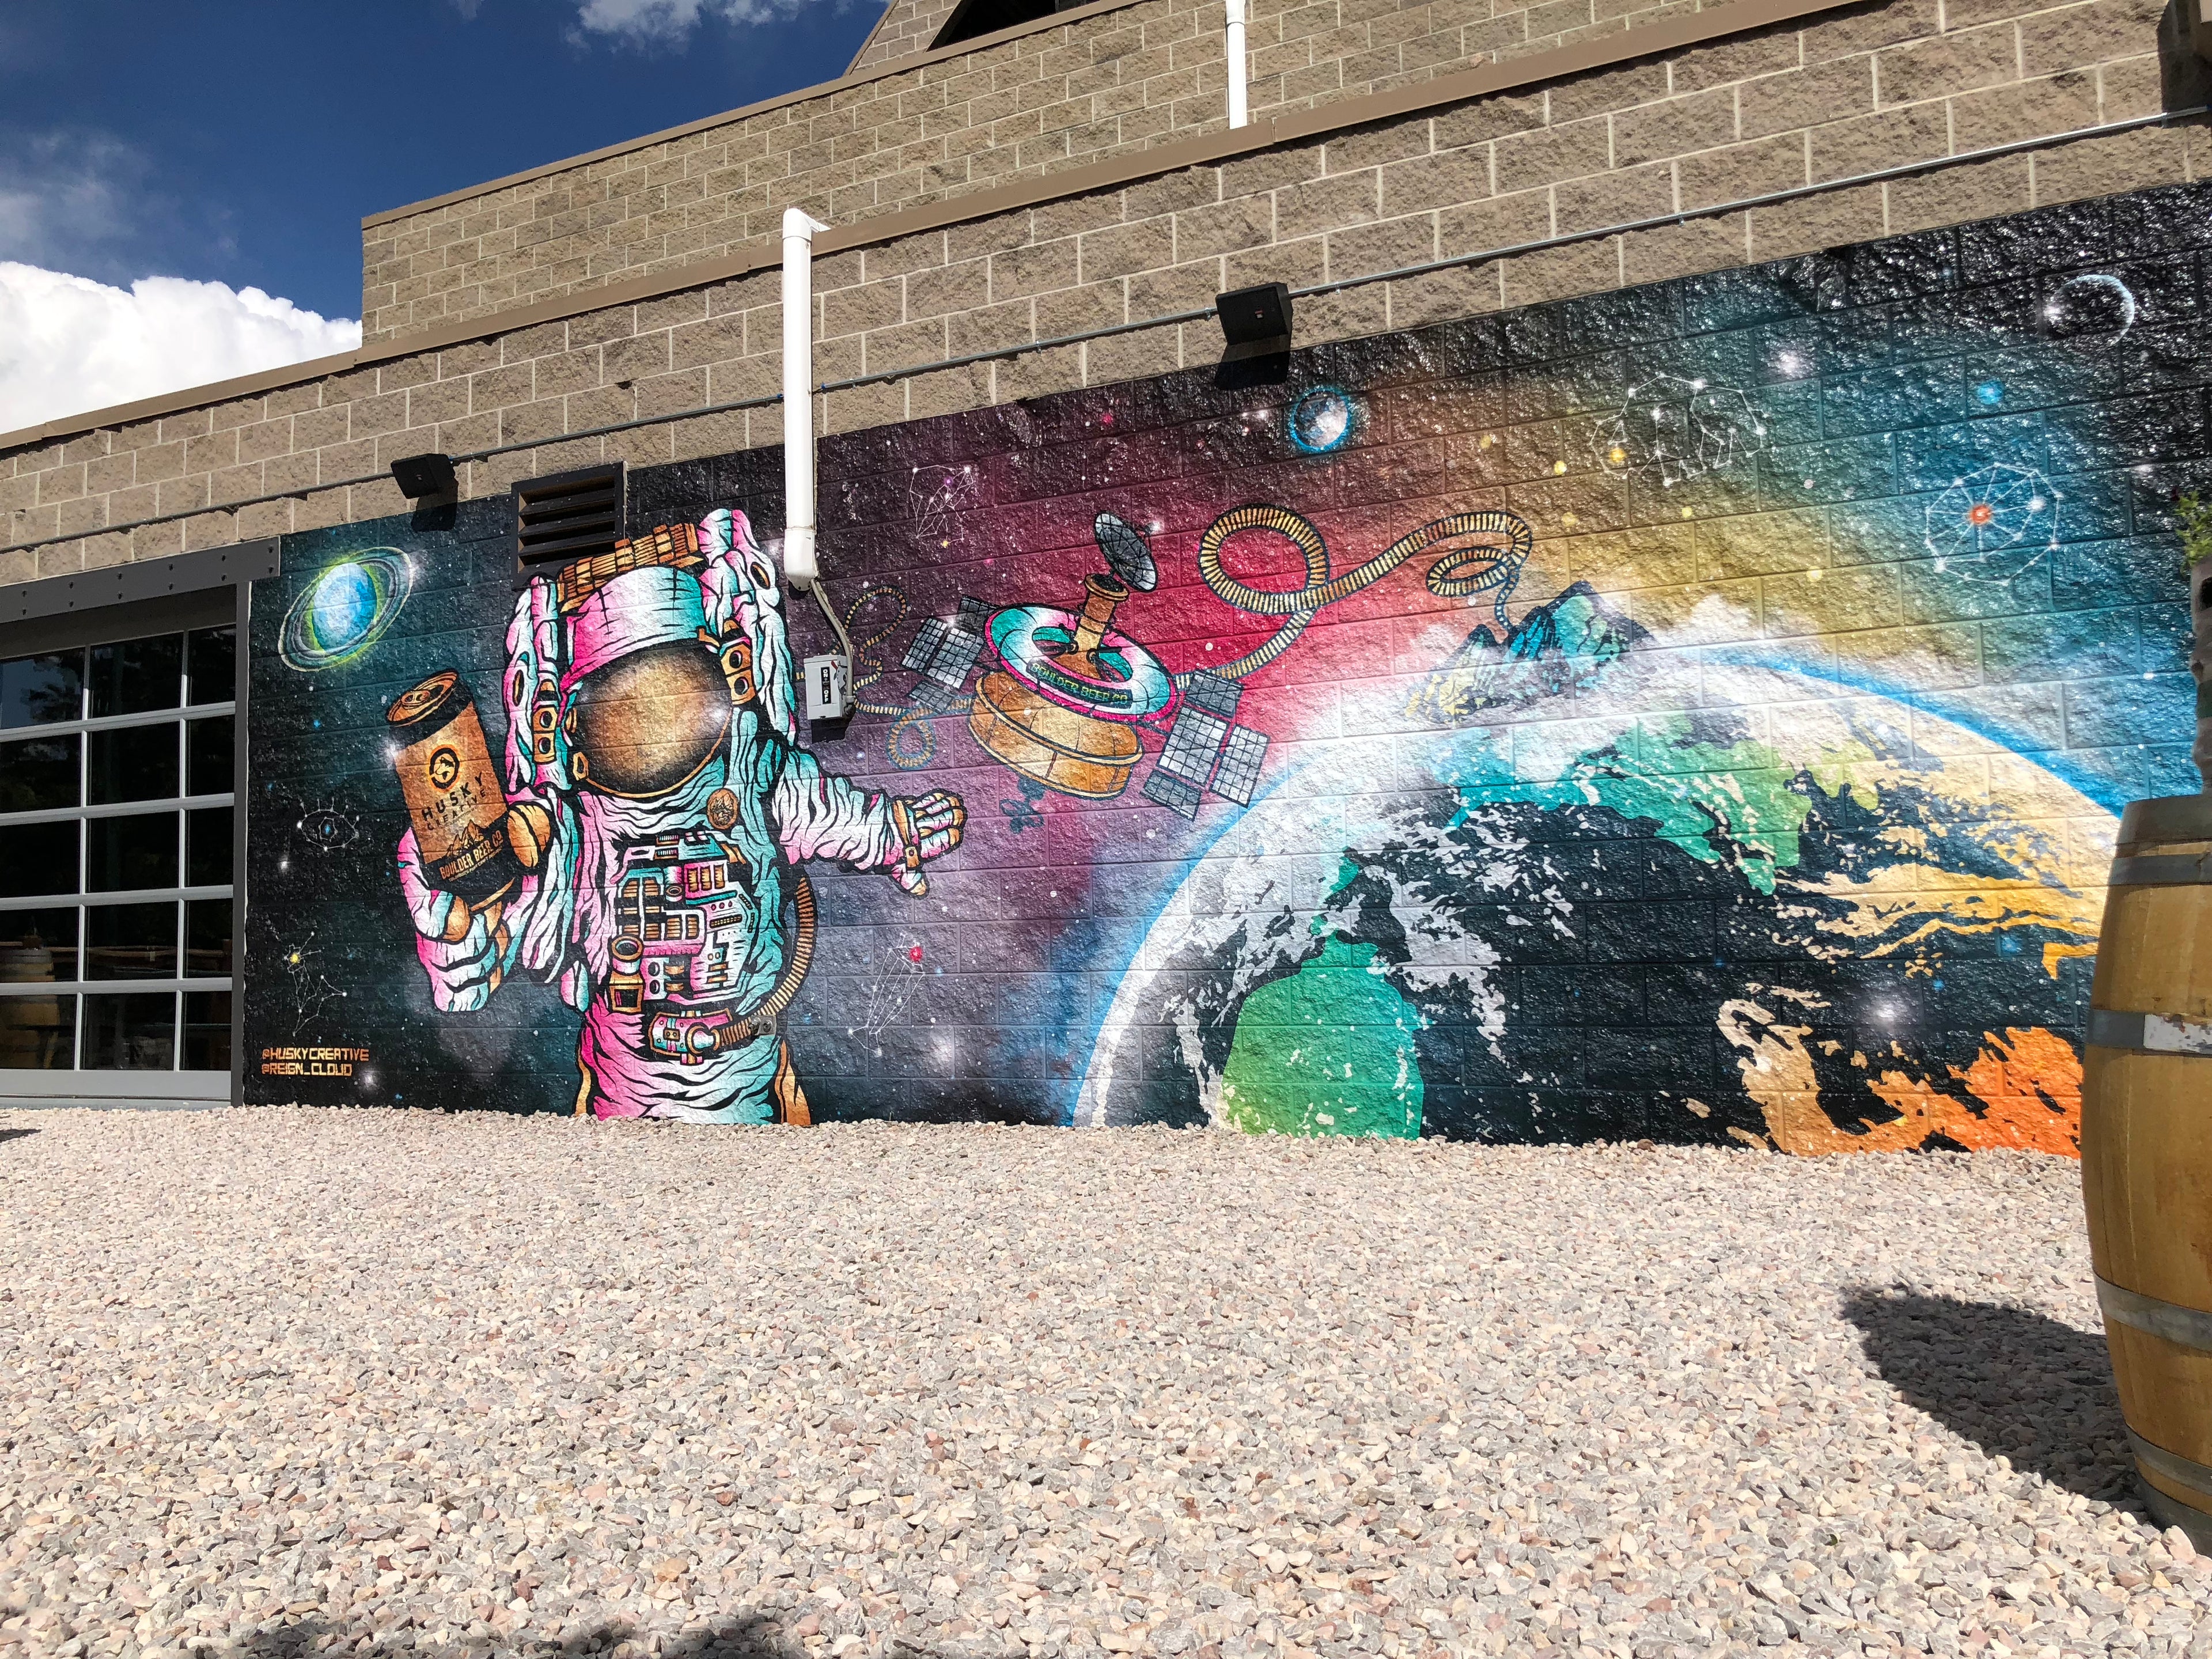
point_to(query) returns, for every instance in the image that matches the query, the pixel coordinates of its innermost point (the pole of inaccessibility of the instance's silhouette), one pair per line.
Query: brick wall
(906, 31)
(1745, 775)
(1111, 84)
(1888, 84)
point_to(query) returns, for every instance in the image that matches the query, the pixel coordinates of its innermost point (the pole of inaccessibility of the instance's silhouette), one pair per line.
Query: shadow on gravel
(14, 1134)
(2015, 1383)
(732, 1636)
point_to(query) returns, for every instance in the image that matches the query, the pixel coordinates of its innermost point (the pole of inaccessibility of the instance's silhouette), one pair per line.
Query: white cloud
(670, 22)
(67, 344)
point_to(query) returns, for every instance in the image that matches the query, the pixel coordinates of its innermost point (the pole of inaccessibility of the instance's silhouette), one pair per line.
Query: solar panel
(937, 697)
(1239, 765)
(1213, 693)
(1173, 792)
(926, 641)
(1193, 742)
(943, 653)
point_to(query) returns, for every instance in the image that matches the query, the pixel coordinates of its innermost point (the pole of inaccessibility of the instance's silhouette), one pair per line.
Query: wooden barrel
(2146, 1148)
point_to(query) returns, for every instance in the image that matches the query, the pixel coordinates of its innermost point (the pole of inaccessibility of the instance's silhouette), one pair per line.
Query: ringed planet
(2095, 306)
(346, 609)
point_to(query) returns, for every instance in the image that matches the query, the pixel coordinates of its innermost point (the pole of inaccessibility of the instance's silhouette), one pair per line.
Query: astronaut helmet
(658, 660)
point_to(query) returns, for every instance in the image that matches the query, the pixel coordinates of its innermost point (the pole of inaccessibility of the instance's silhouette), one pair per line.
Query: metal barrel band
(2150, 1033)
(2161, 870)
(2188, 1328)
(2172, 1465)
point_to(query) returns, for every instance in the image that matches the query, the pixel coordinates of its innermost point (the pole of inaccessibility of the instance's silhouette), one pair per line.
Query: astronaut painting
(643, 844)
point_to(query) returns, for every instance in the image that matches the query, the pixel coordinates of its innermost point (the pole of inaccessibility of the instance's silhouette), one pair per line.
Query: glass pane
(139, 851)
(207, 1030)
(130, 941)
(38, 857)
(138, 763)
(136, 678)
(37, 946)
(38, 1034)
(134, 1033)
(38, 773)
(207, 939)
(34, 691)
(210, 772)
(214, 665)
(208, 863)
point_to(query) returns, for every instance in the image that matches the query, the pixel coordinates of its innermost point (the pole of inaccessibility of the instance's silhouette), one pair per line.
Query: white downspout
(798, 227)
(1238, 114)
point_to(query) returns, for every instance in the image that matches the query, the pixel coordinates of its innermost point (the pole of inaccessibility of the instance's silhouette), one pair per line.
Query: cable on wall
(1399, 273)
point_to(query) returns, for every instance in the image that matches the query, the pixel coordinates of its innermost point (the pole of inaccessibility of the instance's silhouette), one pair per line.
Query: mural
(1697, 712)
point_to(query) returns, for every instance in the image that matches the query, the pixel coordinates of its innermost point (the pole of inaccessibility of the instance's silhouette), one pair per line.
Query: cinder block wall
(1114, 83)
(1745, 775)
(1896, 82)
(905, 30)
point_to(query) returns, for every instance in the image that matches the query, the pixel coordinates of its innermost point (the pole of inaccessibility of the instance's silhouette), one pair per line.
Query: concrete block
(1390, 245)
(1955, 195)
(220, 449)
(1740, 170)
(1444, 179)
(1612, 197)
(1674, 127)
(1830, 220)
(1609, 90)
(1560, 273)
(1245, 223)
(2060, 103)
(1572, 151)
(2101, 166)
(1768, 51)
(1296, 263)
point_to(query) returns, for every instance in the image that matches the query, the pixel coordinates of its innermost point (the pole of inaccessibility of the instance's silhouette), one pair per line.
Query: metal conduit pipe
(1597, 233)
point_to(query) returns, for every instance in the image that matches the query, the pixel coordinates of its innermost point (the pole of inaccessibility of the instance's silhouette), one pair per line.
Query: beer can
(452, 784)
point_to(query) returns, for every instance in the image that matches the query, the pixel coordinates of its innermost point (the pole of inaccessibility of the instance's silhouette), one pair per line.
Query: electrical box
(829, 687)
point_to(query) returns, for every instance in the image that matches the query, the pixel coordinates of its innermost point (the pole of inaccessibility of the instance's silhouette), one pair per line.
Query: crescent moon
(2099, 279)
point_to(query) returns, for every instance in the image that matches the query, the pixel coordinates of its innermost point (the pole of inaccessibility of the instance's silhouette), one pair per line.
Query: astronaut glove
(465, 951)
(928, 827)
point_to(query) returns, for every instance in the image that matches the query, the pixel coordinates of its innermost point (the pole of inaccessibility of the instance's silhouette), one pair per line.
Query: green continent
(1328, 1051)
(1721, 802)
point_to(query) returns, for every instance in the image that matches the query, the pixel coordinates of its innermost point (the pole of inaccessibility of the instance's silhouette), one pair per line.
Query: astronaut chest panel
(686, 911)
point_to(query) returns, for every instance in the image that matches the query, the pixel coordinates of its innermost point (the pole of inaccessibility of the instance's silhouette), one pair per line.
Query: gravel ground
(282, 1383)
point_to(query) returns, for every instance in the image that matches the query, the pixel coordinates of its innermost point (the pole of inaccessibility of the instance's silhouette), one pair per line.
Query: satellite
(1059, 707)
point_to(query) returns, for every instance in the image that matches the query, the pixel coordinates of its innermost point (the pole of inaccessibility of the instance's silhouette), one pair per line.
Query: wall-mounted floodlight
(418, 476)
(1256, 324)
(1254, 321)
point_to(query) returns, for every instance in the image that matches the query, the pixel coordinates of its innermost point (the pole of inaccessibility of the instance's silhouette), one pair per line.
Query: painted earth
(1785, 912)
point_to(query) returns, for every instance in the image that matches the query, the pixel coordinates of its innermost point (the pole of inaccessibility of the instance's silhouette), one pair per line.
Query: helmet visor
(647, 722)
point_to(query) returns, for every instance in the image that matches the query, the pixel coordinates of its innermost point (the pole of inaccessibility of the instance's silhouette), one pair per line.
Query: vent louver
(568, 515)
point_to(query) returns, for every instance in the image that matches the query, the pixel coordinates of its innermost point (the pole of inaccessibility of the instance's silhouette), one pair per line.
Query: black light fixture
(418, 476)
(1254, 321)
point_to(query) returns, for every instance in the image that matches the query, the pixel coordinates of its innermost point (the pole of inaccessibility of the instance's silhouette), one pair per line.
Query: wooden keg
(2146, 1148)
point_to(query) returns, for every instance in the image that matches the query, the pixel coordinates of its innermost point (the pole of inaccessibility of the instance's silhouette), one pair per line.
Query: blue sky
(241, 142)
